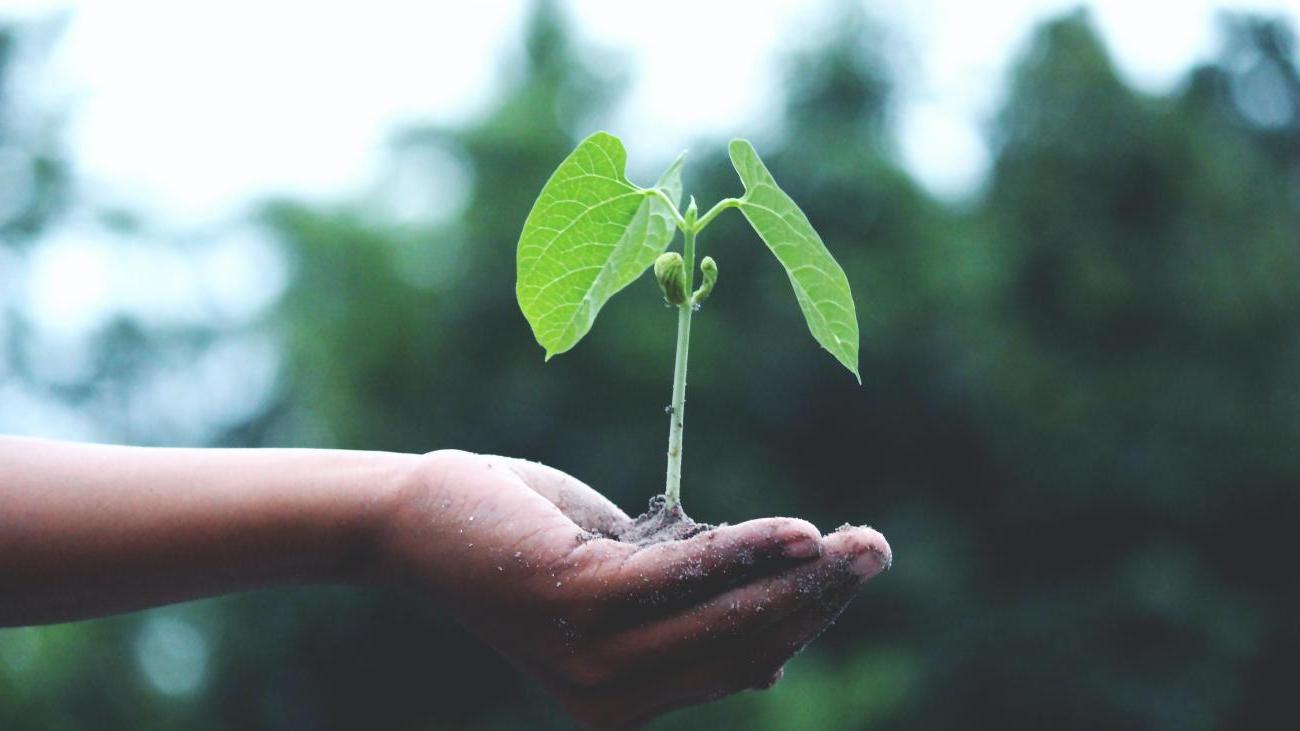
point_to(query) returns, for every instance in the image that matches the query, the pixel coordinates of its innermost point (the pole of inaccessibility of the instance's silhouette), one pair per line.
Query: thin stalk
(677, 216)
(719, 207)
(677, 412)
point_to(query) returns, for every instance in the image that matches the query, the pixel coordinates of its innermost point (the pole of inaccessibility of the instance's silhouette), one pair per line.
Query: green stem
(677, 216)
(677, 412)
(718, 207)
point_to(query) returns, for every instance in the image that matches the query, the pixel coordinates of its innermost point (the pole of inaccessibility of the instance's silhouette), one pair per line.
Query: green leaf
(589, 235)
(819, 282)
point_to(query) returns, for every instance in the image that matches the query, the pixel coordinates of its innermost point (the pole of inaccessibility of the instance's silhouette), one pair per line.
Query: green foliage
(819, 283)
(590, 234)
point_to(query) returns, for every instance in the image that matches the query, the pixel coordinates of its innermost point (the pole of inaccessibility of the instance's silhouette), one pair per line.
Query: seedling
(592, 232)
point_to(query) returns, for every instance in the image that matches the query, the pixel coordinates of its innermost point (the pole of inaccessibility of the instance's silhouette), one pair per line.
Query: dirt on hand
(659, 524)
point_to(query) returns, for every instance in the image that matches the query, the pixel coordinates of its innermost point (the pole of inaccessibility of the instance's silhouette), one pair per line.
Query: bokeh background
(1080, 419)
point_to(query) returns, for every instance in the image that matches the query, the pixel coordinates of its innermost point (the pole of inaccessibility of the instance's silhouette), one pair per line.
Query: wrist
(363, 519)
(397, 531)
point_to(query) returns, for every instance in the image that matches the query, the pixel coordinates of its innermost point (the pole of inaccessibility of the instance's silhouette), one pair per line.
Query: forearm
(88, 530)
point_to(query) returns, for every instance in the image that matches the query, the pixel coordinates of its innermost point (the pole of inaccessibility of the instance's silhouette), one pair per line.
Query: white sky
(190, 110)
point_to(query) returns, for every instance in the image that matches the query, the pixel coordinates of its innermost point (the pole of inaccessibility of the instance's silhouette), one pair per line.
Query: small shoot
(592, 232)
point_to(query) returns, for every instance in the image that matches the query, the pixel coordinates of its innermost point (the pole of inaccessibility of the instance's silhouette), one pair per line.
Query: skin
(618, 634)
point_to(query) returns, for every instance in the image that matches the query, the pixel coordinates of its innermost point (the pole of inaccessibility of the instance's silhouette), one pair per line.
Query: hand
(619, 634)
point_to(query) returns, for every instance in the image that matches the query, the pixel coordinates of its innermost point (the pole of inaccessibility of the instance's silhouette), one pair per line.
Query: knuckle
(429, 471)
(441, 457)
(780, 531)
(798, 526)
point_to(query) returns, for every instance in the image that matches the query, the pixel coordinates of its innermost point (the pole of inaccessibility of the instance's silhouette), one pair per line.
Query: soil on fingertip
(658, 524)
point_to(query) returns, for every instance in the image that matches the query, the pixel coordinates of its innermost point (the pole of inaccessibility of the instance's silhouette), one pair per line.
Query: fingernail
(871, 562)
(802, 547)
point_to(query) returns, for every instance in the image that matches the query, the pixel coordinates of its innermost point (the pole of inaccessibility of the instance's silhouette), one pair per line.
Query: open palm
(619, 633)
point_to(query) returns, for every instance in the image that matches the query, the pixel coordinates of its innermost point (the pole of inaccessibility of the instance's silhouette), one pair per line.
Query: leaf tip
(675, 169)
(739, 146)
(600, 133)
(850, 365)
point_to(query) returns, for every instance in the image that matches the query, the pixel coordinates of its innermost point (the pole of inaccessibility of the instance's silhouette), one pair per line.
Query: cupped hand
(620, 634)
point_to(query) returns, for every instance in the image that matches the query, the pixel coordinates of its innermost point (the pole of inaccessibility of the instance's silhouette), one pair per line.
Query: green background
(1079, 425)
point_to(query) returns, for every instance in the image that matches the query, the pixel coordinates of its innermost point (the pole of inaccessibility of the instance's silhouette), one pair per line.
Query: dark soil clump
(660, 523)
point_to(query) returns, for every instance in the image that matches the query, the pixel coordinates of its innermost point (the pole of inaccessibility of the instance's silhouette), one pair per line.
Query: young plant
(592, 232)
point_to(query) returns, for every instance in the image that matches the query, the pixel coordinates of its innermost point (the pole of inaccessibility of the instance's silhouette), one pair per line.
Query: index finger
(680, 573)
(816, 591)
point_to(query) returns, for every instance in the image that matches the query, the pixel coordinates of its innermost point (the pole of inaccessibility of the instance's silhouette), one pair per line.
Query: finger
(580, 503)
(756, 665)
(782, 641)
(739, 663)
(848, 559)
(681, 573)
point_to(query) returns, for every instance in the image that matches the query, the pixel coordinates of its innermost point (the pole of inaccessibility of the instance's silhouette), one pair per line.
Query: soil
(658, 524)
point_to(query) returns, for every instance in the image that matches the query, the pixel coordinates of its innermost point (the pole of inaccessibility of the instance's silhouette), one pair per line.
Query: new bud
(709, 270)
(670, 272)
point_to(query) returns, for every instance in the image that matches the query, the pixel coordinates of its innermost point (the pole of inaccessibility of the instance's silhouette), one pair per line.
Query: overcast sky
(191, 109)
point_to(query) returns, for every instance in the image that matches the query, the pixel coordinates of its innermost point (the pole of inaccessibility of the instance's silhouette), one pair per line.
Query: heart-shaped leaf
(819, 282)
(589, 235)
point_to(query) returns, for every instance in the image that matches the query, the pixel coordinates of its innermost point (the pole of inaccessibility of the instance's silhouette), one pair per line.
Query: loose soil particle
(658, 524)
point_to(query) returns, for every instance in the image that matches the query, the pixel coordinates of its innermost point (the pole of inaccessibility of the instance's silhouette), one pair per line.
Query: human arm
(618, 633)
(88, 530)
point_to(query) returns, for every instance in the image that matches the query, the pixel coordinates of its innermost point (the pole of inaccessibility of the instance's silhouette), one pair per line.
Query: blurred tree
(1077, 426)
(33, 170)
(1137, 376)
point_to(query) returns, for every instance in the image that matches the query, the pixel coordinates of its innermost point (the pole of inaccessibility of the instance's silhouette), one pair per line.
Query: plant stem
(719, 207)
(677, 412)
(677, 216)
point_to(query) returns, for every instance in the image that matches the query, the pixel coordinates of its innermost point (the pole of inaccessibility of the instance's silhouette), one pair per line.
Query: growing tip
(709, 275)
(670, 272)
